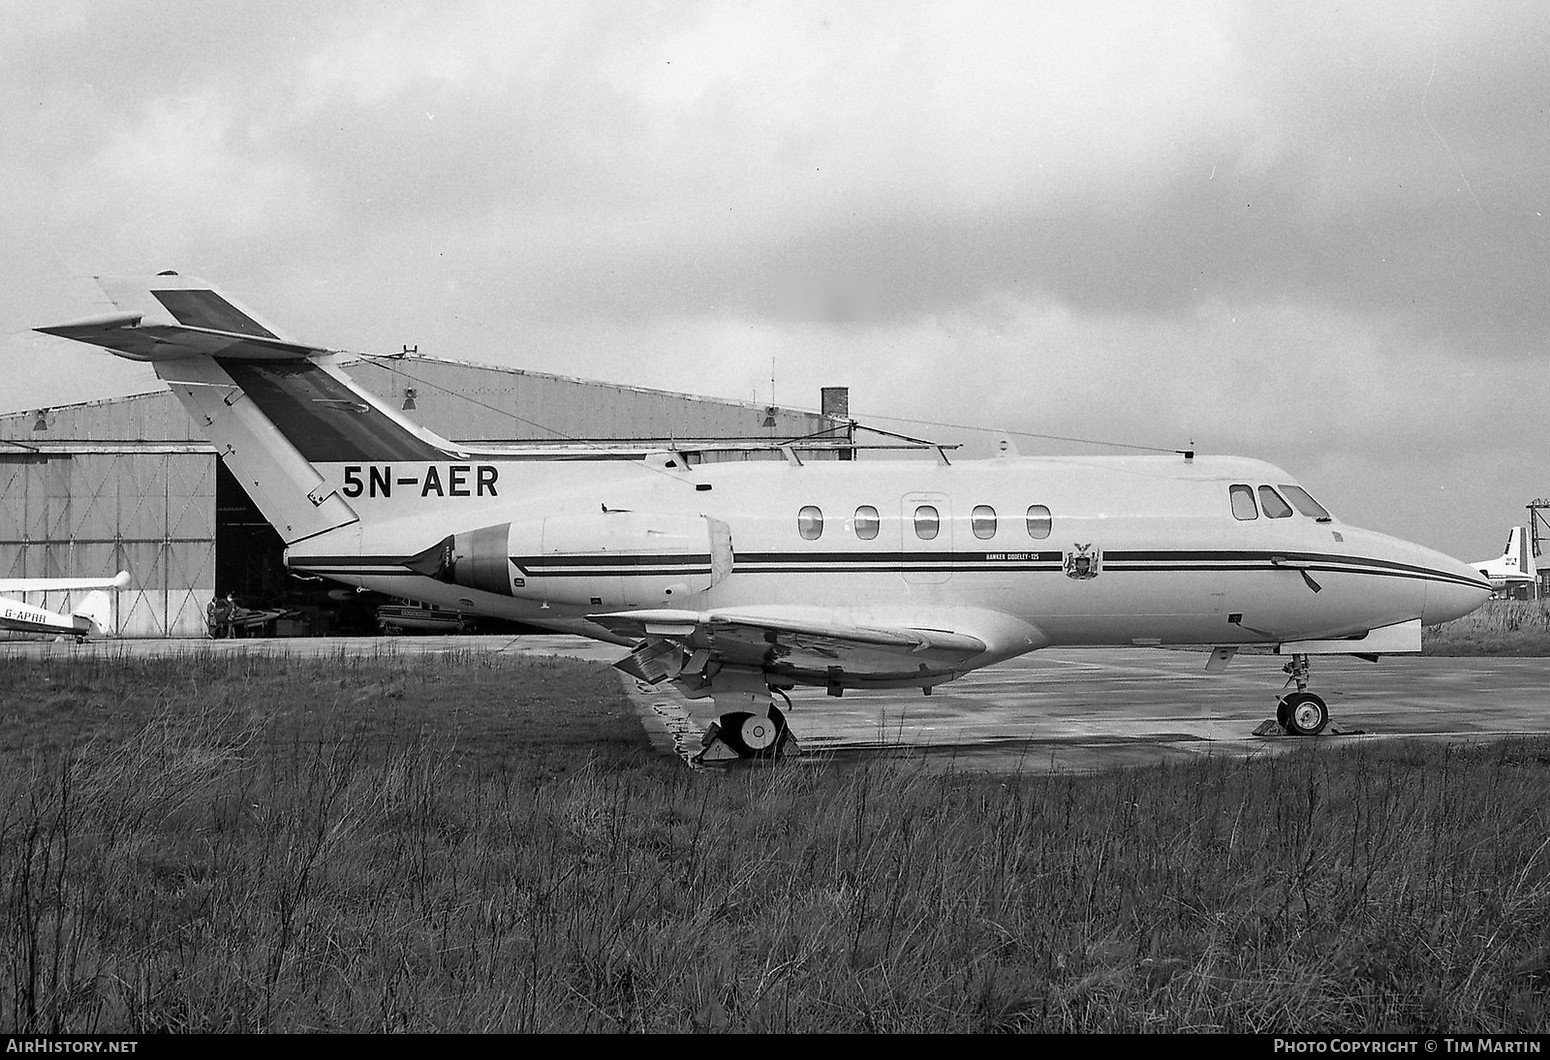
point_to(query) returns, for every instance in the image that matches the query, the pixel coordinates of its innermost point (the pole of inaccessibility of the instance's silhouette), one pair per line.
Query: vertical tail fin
(1518, 557)
(1526, 562)
(273, 408)
(96, 607)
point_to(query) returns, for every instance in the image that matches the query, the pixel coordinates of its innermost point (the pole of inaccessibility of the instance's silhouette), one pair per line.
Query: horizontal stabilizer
(127, 337)
(168, 317)
(96, 608)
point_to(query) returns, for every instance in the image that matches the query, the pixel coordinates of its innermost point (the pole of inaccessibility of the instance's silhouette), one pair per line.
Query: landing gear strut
(1301, 713)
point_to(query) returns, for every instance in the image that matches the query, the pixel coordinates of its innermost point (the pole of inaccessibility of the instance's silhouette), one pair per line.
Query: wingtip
(121, 580)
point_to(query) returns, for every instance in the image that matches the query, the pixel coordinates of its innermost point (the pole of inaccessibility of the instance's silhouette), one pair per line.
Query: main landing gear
(752, 735)
(1301, 713)
(748, 734)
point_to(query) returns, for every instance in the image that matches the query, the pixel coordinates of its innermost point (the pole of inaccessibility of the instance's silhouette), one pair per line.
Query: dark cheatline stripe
(626, 560)
(633, 572)
(885, 562)
(322, 417)
(1135, 561)
(206, 309)
(1228, 559)
(645, 566)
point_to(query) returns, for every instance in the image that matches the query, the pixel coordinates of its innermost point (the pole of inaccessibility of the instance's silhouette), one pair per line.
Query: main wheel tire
(1306, 714)
(753, 735)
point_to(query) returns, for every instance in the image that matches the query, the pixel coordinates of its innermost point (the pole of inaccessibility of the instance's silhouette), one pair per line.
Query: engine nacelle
(607, 560)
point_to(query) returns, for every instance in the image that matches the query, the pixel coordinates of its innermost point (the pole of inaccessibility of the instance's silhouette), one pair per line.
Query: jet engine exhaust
(475, 559)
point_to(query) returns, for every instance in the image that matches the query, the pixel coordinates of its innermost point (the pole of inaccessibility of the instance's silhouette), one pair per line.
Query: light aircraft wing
(781, 645)
(48, 585)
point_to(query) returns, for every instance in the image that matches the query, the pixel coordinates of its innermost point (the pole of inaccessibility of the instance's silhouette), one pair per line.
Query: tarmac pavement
(1061, 709)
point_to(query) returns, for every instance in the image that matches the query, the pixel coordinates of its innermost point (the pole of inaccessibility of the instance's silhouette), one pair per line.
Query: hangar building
(130, 484)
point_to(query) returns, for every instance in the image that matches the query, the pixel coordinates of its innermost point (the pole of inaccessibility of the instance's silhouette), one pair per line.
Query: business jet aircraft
(740, 580)
(1514, 568)
(92, 616)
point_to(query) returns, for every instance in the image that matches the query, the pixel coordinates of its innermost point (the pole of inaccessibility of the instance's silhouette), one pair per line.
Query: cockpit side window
(1304, 503)
(1274, 507)
(1243, 503)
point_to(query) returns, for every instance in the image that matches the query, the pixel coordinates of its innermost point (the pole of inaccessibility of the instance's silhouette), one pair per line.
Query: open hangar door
(250, 568)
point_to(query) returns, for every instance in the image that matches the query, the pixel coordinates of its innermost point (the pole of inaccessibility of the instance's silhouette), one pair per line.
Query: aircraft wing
(672, 640)
(49, 585)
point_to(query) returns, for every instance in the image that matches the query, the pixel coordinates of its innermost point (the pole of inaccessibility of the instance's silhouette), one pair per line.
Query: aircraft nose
(1454, 591)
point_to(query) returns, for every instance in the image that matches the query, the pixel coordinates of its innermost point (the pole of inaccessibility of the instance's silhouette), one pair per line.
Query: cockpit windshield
(1304, 503)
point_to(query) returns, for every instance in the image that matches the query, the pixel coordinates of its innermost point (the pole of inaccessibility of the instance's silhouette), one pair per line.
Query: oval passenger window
(1038, 522)
(983, 520)
(810, 523)
(866, 522)
(927, 522)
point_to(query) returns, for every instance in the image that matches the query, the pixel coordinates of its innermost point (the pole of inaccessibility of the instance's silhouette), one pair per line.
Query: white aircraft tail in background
(1515, 568)
(91, 615)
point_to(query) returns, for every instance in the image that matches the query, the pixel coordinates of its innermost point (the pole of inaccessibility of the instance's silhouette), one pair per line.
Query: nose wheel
(1301, 713)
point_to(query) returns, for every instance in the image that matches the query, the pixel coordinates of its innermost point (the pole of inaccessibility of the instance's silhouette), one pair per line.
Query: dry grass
(1501, 627)
(282, 845)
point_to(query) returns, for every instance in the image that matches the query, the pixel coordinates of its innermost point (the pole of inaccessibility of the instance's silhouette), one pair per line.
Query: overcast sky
(1310, 233)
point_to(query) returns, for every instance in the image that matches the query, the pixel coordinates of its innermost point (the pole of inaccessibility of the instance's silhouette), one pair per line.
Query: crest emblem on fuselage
(1083, 561)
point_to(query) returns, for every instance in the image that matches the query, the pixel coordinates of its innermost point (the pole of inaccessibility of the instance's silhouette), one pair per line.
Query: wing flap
(781, 644)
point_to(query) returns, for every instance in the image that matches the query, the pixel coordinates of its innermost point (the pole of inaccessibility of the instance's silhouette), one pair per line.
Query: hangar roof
(460, 400)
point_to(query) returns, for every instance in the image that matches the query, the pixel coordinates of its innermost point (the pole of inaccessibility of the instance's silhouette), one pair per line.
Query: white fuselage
(18, 616)
(1166, 560)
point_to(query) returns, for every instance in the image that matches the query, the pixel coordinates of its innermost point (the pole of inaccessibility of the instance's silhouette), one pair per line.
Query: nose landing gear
(1301, 713)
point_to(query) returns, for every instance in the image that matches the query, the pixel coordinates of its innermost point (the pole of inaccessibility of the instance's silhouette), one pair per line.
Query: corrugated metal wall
(464, 402)
(88, 490)
(89, 514)
(158, 417)
(476, 402)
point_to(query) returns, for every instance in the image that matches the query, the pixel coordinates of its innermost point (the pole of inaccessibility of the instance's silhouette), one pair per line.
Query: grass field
(1501, 627)
(483, 843)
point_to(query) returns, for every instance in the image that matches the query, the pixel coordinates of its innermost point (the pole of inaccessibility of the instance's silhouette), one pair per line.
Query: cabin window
(927, 522)
(1304, 503)
(1273, 505)
(866, 522)
(1038, 522)
(1243, 503)
(983, 520)
(810, 523)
